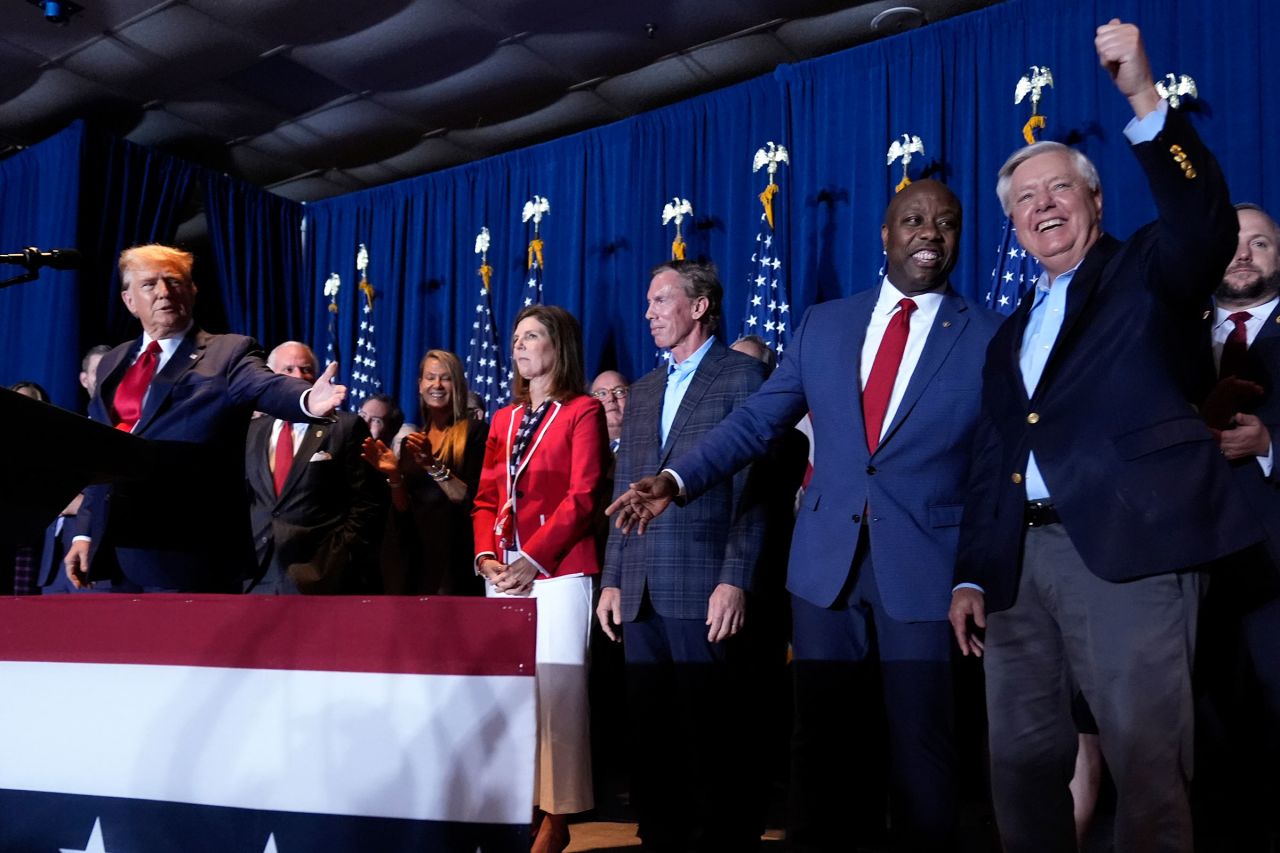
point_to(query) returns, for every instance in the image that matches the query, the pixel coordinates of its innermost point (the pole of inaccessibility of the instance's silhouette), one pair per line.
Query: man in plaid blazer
(681, 590)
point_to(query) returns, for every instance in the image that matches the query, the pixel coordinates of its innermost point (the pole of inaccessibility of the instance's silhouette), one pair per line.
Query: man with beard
(1239, 655)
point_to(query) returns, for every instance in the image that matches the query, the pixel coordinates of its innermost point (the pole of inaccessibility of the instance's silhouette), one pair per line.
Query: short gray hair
(1084, 167)
(315, 363)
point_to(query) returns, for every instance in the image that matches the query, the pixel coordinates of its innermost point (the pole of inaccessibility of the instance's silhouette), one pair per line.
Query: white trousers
(562, 780)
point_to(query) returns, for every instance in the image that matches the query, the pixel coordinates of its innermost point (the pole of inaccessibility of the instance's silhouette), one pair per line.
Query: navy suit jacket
(688, 550)
(1262, 492)
(1135, 475)
(914, 483)
(185, 524)
(321, 533)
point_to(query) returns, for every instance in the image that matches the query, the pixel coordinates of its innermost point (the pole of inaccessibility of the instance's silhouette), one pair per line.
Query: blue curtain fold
(40, 320)
(256, 240)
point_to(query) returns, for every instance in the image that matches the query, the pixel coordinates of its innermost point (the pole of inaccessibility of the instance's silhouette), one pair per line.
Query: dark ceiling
(312, 98)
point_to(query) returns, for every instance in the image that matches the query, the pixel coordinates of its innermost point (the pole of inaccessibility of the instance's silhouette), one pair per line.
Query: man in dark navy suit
(1099, 491)
(184, 525)
(891, 378)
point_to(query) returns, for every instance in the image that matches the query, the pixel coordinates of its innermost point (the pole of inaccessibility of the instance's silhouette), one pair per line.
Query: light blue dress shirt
(678, 378)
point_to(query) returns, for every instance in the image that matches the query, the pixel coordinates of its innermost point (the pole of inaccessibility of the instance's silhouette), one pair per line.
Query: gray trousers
(1128, 647)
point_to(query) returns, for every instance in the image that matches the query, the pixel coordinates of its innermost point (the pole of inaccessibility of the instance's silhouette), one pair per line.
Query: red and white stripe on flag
(402, 708)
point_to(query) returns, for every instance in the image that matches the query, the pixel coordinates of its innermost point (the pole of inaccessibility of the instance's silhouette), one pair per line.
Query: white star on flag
(95, 844)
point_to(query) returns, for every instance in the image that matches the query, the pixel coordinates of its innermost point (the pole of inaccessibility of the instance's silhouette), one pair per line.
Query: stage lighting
(57, 11)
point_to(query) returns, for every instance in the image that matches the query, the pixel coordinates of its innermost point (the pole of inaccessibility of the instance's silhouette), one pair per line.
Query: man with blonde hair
(183, 525)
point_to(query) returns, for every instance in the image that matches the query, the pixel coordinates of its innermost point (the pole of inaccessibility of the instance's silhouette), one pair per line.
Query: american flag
(365, 380)
(768, 302)
(768, 307)
(534, 292)
(331, 287)
(1014, 274)
(484, 370)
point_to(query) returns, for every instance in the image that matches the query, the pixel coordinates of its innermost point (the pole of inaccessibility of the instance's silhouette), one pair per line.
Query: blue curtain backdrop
(256, 241)
(951, 84)
(39, 203)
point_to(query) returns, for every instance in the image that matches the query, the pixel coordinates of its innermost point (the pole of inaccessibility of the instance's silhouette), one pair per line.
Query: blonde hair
(156, 253)
(455, 436)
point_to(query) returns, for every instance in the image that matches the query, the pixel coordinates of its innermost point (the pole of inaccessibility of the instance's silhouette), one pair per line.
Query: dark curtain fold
(256, 240)
(130, 195)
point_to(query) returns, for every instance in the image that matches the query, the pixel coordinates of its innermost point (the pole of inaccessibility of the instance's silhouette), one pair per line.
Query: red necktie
(884, 371)
(284, 455)
(132, 389)
(1235, 351)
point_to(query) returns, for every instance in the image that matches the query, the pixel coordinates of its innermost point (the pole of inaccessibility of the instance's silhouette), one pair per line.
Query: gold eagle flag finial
(903, 149)
(677, 209)
(482, 249)
(1033, 83)
(534, 209)
(362, 264)
(771, 157)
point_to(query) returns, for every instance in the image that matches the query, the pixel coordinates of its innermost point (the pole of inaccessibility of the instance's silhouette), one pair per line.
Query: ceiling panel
(316, 97)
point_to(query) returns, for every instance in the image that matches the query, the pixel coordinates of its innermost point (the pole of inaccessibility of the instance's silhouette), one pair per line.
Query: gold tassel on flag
(535, 251)
(766, 198)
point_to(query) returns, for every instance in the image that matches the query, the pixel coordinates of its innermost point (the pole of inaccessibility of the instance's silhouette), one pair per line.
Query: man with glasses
(611, 389)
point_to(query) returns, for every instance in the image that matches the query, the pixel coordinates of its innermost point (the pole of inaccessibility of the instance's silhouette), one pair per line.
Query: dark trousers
(694, 765)
(859, 674)
(1128, 647)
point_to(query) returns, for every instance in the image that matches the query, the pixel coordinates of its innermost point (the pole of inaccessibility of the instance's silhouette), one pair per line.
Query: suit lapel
(258, 446)
(702, 379)
(848, 362)
(1270, 328)
(536, 439)
(644, 417)
(110, 371)
(948, 324)
(1082, 286)
(183, 359)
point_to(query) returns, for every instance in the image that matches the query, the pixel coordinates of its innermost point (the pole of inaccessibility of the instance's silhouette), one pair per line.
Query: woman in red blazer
(535, 510)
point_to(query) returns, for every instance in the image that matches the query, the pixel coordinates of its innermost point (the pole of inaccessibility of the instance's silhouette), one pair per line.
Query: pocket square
(321, 456)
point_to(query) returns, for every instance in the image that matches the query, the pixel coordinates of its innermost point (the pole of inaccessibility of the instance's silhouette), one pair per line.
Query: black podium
(48, 455)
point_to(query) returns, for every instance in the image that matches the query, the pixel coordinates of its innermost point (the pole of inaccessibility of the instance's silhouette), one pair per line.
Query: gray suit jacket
(688, 550)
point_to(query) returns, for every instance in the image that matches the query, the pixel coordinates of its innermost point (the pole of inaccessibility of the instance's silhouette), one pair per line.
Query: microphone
(32, 258)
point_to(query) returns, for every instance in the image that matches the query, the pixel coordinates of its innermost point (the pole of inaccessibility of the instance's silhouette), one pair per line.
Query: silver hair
(1084, 168)
(271, 358)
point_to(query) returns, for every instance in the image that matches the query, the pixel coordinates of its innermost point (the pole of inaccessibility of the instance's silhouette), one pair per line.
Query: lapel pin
(319, 433)
(946, 324)
(1205, 315)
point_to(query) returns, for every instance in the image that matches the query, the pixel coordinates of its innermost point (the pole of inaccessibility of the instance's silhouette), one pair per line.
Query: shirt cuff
(1266, 462)
(676, 477)
(302, 402)
(1147, 128)
(968, 586)
(81, 539)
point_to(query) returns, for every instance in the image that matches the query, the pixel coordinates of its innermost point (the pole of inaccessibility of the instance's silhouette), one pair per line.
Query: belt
(1040, 513)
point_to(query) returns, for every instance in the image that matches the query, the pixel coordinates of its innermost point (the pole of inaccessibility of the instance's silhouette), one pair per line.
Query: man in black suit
(318, 509)
(1097, 490)
(1237, 661)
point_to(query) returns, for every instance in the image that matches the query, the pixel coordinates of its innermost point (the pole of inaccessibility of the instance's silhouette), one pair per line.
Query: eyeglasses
(619, 392)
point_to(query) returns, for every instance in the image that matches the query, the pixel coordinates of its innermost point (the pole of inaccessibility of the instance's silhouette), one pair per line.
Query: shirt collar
(690, 364)
(1262, 311)
(1042, 283)
(170, 344)
(887, 302)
